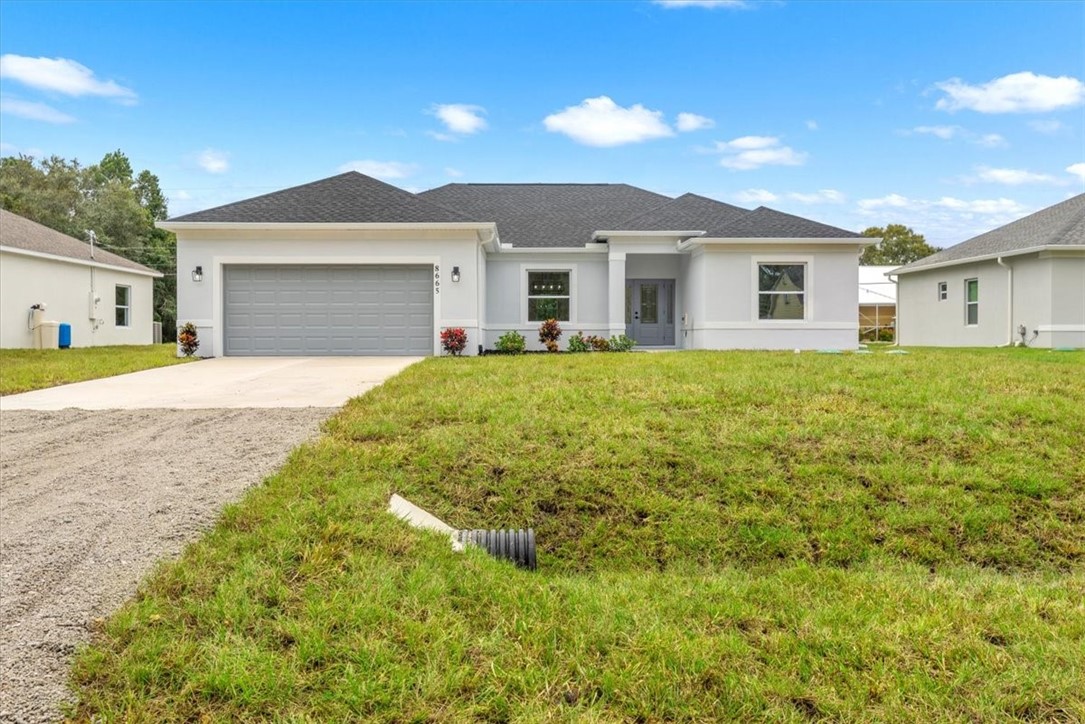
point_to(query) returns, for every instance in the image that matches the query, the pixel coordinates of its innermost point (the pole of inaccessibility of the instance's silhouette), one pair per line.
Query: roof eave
(145, 271)
(861, 241)
(170, 225)
(910, 268)
(670, 233)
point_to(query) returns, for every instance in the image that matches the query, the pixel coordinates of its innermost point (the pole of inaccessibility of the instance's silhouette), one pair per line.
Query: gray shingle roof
(766, 223)
(1060, 225)
(347, 198)
(21, 233)
(547, 215)
(686, 213)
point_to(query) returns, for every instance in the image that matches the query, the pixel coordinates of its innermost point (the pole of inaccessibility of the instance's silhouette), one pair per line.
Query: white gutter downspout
(1009, 299)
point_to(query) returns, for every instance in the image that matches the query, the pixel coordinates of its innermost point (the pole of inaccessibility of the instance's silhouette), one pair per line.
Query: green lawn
(22, 370)
(723, 536)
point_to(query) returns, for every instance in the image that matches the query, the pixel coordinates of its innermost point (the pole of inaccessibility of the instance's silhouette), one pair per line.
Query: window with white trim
(943, 291)
(971, 302)
(548, 296)
(123, 305)
(781, 291)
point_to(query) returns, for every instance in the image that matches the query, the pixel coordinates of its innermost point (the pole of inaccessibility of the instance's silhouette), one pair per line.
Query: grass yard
(22, 370)
(723, 536)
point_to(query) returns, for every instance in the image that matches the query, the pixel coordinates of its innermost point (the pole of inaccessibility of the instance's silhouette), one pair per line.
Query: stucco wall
(722, 299)
(65, 289)
(1048, 297)
(455, 305)
(506, 294)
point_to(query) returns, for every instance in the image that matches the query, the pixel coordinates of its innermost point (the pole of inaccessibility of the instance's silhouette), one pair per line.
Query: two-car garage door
(313, 309)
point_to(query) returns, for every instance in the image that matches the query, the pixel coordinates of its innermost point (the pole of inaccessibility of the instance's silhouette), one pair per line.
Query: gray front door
(649, 311)
(325, 309)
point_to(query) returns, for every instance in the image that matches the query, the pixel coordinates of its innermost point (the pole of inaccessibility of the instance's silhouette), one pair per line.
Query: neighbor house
(1027, 275)
(351, 265)
(106, 298)
(877, 303)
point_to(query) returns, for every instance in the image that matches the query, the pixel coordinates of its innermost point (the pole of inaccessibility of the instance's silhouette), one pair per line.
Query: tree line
(108, 198)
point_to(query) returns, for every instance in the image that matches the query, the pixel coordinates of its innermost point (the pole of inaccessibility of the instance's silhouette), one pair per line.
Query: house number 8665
(436, 279)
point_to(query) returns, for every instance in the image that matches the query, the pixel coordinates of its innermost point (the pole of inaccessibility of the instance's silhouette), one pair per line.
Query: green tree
(106, 198)
(899, 245)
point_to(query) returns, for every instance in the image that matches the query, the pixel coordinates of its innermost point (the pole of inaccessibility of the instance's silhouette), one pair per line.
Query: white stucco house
(351, 265)
(980, 293)
(107, 299)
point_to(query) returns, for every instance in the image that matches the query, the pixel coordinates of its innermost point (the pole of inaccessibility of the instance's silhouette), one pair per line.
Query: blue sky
(953, 118)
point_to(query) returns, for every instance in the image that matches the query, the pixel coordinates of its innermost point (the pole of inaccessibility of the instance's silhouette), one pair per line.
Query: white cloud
(756, 196)
(943, 132)
(379, 169)
(33, 111)
(947, 133)
(453, 172)
(213, 161)
(1047, 126)
(693, 122)
(60, 75)
(460, 118)
(709, 4)
(823, 196)
(1015, 93)
(812, 125)
(1077, 169)
(602, 122)
(1001, 206)
(750, 152)
(1012, 176)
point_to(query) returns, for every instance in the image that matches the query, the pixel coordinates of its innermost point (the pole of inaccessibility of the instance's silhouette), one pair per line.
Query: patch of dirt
(90, 501)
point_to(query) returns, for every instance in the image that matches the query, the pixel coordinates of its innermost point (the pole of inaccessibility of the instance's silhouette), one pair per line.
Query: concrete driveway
(222, 383)
(92, 498)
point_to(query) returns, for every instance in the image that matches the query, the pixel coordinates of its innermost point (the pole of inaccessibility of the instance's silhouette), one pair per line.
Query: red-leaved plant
(549, 334)
(454, 340)
(188, 339)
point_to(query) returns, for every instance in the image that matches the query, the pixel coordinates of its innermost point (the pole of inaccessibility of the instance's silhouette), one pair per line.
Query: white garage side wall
(1067, 328)
(924, 320)
(726, 279)
(65, 289)
(455, 303)
(506, 294)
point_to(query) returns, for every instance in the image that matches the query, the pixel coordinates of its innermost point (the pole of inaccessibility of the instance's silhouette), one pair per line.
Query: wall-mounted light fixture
(455, 274)
(197, 274)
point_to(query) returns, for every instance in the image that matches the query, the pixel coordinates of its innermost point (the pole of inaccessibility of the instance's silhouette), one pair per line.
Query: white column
(616, 293)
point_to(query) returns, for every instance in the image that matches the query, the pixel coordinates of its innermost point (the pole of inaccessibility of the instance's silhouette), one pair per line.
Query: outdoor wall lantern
(456, 274)
(197, 274)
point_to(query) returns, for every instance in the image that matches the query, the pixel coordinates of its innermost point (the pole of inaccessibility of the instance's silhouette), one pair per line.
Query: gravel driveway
(89, 501)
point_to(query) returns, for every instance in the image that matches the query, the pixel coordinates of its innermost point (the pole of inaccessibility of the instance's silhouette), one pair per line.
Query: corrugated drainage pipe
(517, 546)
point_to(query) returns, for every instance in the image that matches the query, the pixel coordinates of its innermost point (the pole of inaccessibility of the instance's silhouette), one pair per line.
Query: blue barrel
(65, 336)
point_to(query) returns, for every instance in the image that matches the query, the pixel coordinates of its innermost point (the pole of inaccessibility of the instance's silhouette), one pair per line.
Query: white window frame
(524, 289)
(805, 260)
(126, 307)
(968, 304)
(943, 291)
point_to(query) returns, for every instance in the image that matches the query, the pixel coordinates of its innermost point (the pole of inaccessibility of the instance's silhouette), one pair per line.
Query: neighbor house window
(943, 291)
(781, 291)
(972, 301)
(547, 296)
(124, 305)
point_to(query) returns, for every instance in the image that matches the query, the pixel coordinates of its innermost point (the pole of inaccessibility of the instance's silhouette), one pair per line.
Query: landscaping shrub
(188, 339)
(454, 340)
(577, 343)
(549, 334)
(621, 343)
(512, 342)
(599, 344)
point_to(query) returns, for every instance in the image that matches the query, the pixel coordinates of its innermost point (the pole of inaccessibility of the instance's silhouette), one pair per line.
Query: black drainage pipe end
(517, 546)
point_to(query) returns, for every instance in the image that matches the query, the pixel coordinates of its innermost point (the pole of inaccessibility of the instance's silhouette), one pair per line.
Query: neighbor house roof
(547, 215)
(20, 233)
(350, 197)
(1060, 225)
(688, 211)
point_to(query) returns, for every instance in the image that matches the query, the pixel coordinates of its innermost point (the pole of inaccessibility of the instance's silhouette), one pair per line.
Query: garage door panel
(328, 310)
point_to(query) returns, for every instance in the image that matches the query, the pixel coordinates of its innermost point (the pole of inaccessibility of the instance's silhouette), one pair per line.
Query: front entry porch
(649, 312)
